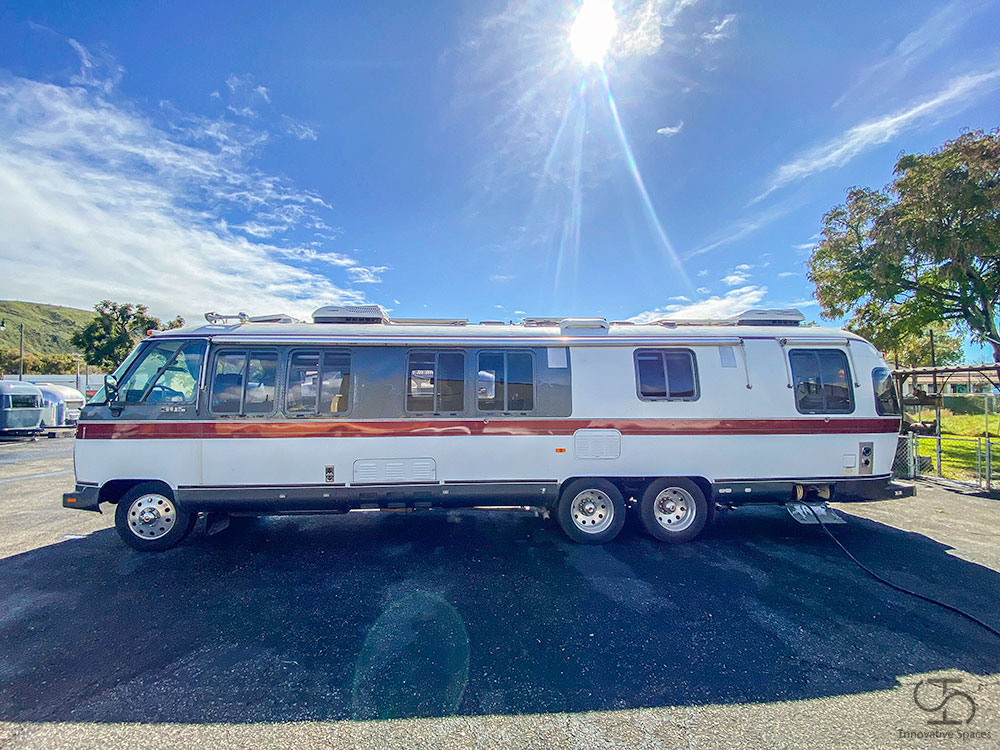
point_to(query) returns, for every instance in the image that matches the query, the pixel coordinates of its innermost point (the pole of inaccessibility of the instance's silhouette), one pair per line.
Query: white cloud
(722, 29)
(743, 267)
(298, 130)
(672, 130)
(703, 290)
(788, 274)
(731, 303)
(170, 215)
(702, 272)
(743, 228)
(366, 274)
(520, 312)
(680, 298)
(501, 277)
(735, 278)
(958, 93)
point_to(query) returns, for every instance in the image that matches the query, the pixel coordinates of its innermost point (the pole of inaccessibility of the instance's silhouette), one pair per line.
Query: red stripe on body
(167, 430)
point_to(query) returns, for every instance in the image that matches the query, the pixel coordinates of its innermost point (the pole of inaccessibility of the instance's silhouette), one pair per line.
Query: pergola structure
(941, 376)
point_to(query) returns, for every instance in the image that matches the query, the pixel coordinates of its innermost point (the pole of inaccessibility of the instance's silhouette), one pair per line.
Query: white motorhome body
(363, 412)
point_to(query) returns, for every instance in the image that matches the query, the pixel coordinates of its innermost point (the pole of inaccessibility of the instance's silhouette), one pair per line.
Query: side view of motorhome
(578, 416)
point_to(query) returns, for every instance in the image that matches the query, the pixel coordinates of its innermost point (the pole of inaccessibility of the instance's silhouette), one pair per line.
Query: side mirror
(111, 387)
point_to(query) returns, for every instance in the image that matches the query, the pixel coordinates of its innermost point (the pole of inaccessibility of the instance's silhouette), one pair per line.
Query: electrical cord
(892, 585)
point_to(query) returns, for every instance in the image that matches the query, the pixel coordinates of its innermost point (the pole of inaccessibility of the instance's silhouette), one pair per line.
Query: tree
(924, 250)
(914, 350)
(118, 327)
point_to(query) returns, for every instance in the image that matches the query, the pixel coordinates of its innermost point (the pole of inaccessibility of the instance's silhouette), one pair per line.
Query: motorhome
(20, 408)
(61, 405)
(578, 416)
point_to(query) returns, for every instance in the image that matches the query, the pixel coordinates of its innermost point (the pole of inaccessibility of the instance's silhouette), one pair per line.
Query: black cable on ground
(892, 585)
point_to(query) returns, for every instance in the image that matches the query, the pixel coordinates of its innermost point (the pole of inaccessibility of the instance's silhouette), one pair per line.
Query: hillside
(47, 328)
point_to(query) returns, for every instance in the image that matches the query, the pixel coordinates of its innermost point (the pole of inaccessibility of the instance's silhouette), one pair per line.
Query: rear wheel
(591, 511)
(673, 510)
(148, 519)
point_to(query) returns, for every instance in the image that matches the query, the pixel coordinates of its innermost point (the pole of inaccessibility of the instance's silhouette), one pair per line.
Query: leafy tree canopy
(118, 327)
(924, 250)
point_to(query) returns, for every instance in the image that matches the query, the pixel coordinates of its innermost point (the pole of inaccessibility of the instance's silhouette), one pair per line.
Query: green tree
(914, 350)
(118, 327)
(924, 250)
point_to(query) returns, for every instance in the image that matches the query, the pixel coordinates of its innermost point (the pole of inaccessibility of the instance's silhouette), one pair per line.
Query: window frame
(248, 352)
(849, 379)
(661, 350)
(321, 352)
(506, 382)
(436, 353)
(895, 393)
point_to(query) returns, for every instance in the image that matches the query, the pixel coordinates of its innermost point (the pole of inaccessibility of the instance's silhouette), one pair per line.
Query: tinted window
(167, 373)
(886, 401)
(243, 382)
(666, 374)
(435, 381)
(821, 380)
(505, 381)
(318, 382)
(23, 401)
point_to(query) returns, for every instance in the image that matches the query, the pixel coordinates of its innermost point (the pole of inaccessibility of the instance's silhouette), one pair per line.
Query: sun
(592, 31)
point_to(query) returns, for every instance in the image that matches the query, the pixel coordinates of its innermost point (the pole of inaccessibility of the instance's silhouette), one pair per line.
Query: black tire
(688, 515)
(149, 535)
(605, 498)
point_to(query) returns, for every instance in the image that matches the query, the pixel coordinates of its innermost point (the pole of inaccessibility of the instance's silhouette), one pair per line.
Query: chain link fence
(972, 461)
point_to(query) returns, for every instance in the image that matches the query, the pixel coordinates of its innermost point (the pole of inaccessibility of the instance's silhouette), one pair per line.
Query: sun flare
(592, 31)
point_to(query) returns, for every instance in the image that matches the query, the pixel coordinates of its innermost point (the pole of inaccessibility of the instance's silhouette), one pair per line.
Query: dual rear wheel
(592, 511)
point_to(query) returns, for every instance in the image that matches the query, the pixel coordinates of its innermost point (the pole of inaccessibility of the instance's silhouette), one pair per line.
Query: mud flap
(803, 513)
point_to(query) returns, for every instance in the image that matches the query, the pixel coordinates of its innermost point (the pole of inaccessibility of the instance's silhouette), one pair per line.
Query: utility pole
(20, 358)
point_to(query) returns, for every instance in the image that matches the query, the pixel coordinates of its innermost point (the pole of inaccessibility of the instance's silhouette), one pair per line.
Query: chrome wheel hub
(592, 511)
(674, 509)
(151, 516)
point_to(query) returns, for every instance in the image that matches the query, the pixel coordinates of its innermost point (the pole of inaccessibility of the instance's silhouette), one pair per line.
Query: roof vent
(351, 314)
(583, 324)
(786, 317)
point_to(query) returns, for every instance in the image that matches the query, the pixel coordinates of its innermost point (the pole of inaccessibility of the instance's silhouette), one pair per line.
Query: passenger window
(167, 374)
(505, 381)
(318, 383)
(244, 382)
(666, 374)
(886, 401)
(821, 381)
(435, 382)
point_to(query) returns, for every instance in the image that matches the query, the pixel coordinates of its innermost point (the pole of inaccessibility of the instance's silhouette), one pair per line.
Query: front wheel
(673, 510)
(148, 519)
(591, 511)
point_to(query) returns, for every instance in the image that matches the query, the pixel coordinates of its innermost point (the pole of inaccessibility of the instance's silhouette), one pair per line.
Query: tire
(591, 511)
(166, 526)
(673, 510)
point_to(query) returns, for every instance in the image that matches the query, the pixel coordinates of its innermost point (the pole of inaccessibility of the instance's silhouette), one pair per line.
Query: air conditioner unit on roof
(351, 314)
(787, 317)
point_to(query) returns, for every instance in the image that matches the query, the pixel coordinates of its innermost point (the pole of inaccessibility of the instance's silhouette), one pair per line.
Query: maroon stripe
(430, 428)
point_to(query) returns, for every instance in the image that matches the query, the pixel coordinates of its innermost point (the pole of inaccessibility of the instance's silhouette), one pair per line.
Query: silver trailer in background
(61, 405)
(20, 408)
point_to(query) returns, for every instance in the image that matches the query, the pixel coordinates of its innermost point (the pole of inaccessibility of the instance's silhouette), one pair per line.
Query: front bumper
(85, 497)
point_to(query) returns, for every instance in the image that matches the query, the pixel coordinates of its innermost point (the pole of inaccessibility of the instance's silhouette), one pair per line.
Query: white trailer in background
(576, 415)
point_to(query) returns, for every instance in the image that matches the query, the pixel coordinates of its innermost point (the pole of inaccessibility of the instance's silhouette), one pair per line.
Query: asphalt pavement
(473, 628)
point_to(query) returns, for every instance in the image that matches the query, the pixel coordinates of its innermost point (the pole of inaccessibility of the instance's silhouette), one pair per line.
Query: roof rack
(216, 318)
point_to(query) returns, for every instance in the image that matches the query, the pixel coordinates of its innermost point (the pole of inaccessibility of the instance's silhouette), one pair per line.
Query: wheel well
(112, 492)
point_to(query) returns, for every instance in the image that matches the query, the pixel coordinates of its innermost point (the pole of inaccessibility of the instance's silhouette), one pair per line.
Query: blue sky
(457, 159)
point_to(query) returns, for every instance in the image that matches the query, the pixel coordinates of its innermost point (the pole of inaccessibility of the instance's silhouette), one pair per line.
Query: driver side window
(167, 373)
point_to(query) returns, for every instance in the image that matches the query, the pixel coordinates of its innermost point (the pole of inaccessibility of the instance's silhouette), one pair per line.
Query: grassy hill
(47, 328)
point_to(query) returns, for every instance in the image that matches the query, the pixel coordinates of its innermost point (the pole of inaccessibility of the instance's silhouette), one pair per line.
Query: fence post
(911, 454)
(979, 462)
(939, 454)
(989, 463)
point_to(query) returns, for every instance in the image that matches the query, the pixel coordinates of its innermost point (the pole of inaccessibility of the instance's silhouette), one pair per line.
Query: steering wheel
(165, 394)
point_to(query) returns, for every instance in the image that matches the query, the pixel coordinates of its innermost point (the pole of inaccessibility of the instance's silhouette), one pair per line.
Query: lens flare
(592, 31)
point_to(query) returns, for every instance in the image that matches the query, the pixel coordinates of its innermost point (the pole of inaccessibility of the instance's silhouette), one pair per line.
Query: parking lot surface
(491, 628)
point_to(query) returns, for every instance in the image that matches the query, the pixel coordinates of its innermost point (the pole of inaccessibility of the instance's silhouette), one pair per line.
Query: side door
(242, 442)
